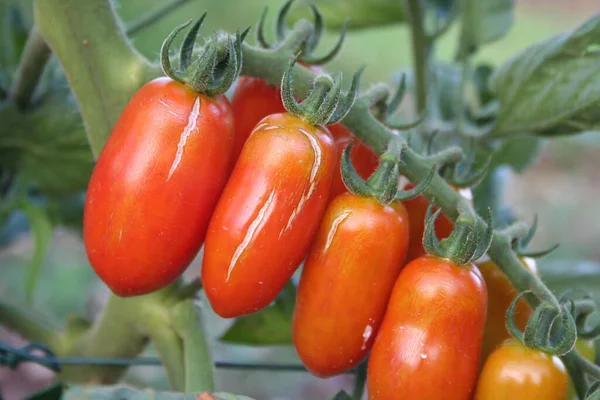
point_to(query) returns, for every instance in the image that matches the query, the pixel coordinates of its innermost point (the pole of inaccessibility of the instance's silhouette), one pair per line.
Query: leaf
(54, 392)
(41, 229)
(361, 13)
(269, 326)
(121, 392)
(487, 20)
(518, 153)
(551, 88)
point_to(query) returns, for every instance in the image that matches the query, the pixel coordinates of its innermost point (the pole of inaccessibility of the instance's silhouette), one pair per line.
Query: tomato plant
(417, 208)
(155, 186)
(432, 330)
(337, 316)
(268, 214)
(501, 294)
(514, 371)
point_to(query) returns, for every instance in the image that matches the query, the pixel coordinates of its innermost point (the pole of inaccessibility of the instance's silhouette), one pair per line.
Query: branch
(421, 49)
(28, 324)
(102, 69)
(34, 59)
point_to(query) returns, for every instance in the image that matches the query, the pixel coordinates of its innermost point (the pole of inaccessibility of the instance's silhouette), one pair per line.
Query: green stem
(153, 16)
(199, 367)
(30, 325)
(102, 69)
(360, 380)
(421, 49)
(34, 59)
(170, 350)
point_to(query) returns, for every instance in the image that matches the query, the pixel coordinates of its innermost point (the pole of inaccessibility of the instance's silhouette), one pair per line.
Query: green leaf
(518, 153)
(269, 326)
(122, 392)
(361, 13)
(551, 88)
(41, 229)
(487, 20)
(54, 392)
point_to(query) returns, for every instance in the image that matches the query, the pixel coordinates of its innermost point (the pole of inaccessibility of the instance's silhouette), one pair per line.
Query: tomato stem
(33, 61)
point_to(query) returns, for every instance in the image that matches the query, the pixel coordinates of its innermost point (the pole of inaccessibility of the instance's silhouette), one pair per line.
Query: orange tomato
(514, 371)
(501, 293)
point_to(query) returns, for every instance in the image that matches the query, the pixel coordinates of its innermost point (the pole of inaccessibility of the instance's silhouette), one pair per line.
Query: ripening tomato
(501, 293)
(364, 160)
(155, 186)
(514, 371)
(253, 99)
(417, 209)
(429, 343)
(587, 349)
(268, 214)
(346, 282)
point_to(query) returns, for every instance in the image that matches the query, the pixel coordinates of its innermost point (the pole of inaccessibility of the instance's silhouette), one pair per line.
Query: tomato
(252, 100)
(587, 349)
(268, 214)
(346, 282)
(364, 160)
(417, 209)
(429, 343)
(514, 371)
(501, 293)
(155, 186)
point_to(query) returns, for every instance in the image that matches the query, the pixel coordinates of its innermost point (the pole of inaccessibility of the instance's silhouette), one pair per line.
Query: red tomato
(253, 99)
(364, 160)
(429, 343)
(514, 371)
(346, 282)
(268, 214)
(417, 209)
(155, 186)
(501, 293)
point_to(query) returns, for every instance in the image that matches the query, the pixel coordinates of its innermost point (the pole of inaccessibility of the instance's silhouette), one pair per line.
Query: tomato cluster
(261, 189)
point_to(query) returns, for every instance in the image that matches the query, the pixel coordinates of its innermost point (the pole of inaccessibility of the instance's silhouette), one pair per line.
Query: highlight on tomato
(501, 294)
(274, 200)
(514, 371)
(159, 177)
(429, 344)
(351, 267)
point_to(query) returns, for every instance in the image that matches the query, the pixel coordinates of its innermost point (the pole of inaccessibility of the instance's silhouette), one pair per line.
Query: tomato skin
(252, 100)
(364, 160)
(155, 185)
(429, 343)
(346, 282)
(268, 214)
(501, 293)
(417, 209)
(514, 371)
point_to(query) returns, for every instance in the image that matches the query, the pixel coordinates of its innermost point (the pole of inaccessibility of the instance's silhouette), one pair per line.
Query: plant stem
(34, 59)
(151, 17)
(28, 324)
(360, 380)
(102, 69)
(421, 49)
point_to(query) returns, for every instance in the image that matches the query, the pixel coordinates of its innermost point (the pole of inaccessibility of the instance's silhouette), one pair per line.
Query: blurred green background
(562, 187)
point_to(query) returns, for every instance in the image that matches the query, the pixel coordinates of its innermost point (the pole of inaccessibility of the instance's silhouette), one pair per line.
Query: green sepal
(352, 180)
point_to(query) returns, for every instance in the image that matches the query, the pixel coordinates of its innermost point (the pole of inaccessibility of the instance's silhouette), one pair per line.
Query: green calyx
(468, 241)
(550, 329)
(383, 183)
(326, 104)
(216, 68)
(520, 243)
(304, 37)
(384, 105)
